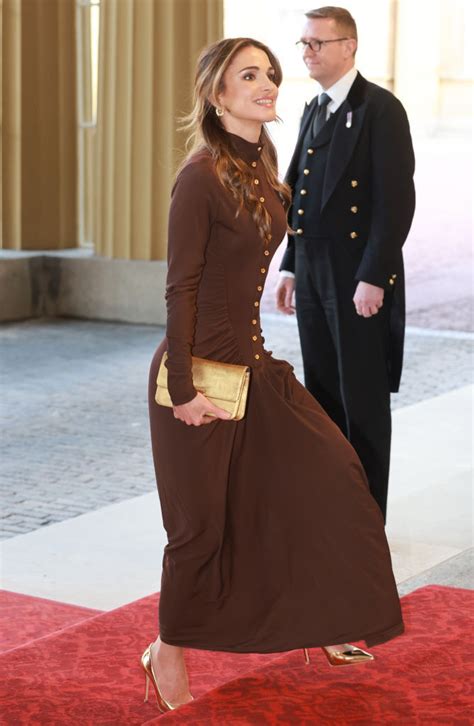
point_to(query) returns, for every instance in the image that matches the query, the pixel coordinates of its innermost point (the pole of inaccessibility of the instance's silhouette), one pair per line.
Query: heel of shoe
(350, 656)
(147, 688)
(306, 656)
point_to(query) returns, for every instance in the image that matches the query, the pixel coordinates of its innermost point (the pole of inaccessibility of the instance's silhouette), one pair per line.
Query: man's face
(334, 59)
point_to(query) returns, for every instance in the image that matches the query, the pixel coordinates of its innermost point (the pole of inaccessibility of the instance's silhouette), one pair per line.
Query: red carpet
(24, 618)
(88, 675)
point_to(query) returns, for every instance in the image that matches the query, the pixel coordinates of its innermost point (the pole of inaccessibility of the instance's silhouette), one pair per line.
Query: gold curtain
(39, 159)
(148, 50)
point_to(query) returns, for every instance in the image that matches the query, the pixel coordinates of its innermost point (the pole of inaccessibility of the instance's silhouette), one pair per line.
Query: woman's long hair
(207, 132)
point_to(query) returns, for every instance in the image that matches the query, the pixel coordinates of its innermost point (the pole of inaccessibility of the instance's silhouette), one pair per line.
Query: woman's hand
(199, 411)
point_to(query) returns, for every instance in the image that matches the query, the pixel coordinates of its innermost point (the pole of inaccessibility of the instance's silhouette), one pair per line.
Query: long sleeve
(288, 260)
(190, 220)
(393, 194)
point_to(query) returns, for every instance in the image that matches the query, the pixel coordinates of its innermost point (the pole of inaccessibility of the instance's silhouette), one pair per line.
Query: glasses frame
(303, 44)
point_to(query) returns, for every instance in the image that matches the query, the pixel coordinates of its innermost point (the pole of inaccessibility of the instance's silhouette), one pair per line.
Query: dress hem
(370, 641)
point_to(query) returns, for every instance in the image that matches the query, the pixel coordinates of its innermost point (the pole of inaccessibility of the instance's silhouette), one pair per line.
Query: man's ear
(352, 45)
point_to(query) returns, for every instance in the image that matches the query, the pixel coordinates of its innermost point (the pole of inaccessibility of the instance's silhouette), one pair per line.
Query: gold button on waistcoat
(354, 235)
(303, 192)
(300, 212)
(354, 183)
(256, 303)
(254, 337)
(306, 172)
(254, 322)
(259, 288)
(394, 277)
(299, 231)
(392, 282)
(254, 164)
(354, 210)
(255, 181)
(259, 148)
(266, 253)
(263, 270)
(262, 199)
(310, 151)
(257, 356)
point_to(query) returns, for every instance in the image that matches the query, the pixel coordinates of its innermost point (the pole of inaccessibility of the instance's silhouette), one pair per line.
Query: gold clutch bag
(226, 385)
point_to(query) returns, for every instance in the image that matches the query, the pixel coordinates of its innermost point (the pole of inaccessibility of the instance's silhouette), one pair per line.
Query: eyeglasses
(316, 45)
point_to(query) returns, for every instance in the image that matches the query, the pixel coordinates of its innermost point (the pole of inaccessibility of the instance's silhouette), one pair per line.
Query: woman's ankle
(169, 652)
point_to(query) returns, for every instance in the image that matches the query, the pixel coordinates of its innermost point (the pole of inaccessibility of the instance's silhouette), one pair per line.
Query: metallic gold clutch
(226, 385)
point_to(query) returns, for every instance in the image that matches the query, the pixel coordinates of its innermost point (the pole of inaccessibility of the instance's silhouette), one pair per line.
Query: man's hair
(342, 17)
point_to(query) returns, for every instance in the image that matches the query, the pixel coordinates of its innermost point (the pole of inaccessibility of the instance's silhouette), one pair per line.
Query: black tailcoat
(370, 166)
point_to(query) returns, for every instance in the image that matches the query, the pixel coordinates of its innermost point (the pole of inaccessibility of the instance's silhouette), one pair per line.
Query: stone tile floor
(74, 409)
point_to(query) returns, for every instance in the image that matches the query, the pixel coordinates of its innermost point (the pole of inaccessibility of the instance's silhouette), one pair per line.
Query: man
(351, 176)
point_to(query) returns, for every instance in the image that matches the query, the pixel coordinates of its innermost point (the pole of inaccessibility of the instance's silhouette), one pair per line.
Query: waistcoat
(308, 189)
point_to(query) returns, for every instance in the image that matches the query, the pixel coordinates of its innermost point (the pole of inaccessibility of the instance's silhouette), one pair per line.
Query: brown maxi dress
(274, 541)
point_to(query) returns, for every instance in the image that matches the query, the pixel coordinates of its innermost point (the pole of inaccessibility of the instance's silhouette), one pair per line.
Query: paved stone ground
(74, 410)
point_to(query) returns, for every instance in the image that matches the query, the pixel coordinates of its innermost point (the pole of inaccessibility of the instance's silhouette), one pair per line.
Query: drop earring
(219, 111)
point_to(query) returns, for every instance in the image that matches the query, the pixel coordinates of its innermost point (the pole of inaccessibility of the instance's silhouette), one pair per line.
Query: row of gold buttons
(303, 192)
(262, 269)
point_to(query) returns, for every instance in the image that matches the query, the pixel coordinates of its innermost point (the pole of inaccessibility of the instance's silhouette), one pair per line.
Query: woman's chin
(269, 115)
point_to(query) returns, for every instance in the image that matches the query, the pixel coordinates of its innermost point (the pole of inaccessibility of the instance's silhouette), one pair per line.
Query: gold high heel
(349, 656)
(163, 704)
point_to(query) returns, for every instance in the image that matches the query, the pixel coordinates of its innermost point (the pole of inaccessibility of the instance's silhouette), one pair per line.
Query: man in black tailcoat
(351, 176)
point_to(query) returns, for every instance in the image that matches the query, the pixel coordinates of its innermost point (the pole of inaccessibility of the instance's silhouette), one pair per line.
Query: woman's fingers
(199, 411)
(216, 412)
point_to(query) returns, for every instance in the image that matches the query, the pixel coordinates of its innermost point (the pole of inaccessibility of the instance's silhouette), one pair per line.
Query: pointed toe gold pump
(163, 704)
(350, 655)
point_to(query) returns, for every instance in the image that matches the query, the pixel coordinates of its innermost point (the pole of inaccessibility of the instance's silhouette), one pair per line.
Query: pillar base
(79, 284)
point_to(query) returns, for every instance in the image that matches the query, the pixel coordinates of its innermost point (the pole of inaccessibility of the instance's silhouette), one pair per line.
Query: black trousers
(344, 354)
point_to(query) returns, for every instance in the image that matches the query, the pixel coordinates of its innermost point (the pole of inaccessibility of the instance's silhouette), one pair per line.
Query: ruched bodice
(218, 264)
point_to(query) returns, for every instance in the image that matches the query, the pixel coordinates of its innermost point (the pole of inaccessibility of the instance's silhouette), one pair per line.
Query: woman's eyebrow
(254, 68)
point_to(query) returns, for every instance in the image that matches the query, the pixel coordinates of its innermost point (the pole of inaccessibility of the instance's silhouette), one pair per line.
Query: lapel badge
(349, 120)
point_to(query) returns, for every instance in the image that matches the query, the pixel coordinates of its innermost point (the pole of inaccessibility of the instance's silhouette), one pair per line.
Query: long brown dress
(274, 541)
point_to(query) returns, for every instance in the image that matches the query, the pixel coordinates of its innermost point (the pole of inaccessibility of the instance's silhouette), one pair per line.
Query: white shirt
(338, 93)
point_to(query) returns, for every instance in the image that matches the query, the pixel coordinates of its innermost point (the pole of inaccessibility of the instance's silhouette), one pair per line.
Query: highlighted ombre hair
(207, 132)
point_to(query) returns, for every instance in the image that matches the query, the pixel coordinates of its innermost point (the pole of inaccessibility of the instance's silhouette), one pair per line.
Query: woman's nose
(268, 86)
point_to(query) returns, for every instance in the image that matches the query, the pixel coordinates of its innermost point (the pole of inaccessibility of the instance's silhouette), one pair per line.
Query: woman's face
(249, 95)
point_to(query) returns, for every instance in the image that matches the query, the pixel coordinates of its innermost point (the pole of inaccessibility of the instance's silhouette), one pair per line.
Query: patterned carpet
(88, 673)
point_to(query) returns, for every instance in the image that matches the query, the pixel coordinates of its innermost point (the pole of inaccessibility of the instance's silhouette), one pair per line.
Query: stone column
(417, 59)
(148, 50)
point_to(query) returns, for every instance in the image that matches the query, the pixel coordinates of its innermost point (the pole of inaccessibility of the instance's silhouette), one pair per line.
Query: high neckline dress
(274, 540)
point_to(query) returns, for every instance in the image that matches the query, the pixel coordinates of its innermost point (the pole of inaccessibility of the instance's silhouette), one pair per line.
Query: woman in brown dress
(274, 541)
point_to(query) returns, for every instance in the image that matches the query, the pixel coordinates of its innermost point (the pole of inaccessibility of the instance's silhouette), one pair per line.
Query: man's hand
(284, 295)
(368, 299)
(199, 411)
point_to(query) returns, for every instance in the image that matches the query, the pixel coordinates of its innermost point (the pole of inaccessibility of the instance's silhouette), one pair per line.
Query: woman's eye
(249, 76)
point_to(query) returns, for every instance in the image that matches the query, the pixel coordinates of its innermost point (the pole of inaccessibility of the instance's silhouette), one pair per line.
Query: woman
(274, 541)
